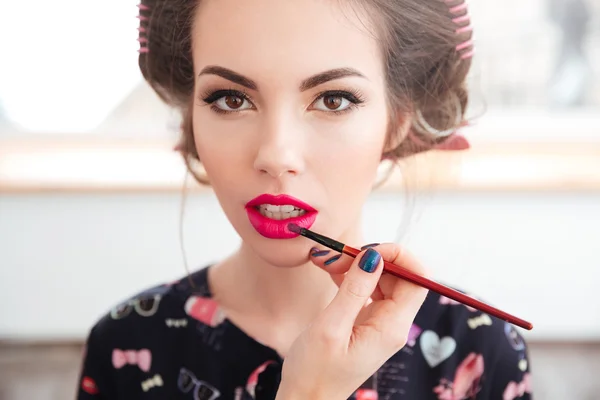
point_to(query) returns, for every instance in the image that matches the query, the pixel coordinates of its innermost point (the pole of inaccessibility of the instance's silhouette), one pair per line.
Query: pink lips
(277, 229)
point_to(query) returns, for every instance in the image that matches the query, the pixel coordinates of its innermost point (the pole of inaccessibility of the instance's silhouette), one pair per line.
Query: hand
(364, 325)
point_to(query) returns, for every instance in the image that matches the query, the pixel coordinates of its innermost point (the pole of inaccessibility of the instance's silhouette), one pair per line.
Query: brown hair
(424, 71)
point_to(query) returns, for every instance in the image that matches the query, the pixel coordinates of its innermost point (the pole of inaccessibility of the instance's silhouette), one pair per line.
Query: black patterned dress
(173, 342)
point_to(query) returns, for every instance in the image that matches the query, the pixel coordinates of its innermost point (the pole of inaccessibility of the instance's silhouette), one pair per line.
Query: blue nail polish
(366, 246)
(333, 259)
(320, 253)
(369, 261)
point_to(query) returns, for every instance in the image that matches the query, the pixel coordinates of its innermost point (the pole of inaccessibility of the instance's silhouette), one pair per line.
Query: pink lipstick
(270, 215)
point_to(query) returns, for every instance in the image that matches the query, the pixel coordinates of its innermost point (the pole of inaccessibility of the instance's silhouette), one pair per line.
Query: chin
(282, 253)
(287, 252)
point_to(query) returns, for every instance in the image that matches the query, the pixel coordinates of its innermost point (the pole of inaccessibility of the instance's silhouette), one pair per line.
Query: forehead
(260, 37)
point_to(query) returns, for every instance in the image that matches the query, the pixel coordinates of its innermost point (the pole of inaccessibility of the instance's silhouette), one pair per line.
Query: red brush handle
(410, 276)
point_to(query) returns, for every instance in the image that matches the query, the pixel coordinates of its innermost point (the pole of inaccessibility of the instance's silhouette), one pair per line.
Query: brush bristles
(294, 228)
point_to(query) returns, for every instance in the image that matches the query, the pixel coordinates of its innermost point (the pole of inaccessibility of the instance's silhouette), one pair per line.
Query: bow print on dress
(155, 381)
(142, 358)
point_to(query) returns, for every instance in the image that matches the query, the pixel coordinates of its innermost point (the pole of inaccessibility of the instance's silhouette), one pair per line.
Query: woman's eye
(332, 103)
(232, 103)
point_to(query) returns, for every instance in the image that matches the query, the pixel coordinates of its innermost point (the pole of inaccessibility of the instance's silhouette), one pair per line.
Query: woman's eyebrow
(327, 76)
(230, 75)
(309, 83)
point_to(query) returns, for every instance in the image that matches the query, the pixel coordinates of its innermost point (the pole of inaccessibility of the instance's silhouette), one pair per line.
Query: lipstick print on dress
(205, 310)
(210, 319)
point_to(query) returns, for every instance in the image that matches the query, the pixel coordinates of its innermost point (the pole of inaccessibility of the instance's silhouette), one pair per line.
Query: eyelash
(355, 98)
(211, 97)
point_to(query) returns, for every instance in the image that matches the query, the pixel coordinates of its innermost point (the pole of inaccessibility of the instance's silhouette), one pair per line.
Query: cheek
(217, 144)
(219, 153)
(354, 146)
(347, 158)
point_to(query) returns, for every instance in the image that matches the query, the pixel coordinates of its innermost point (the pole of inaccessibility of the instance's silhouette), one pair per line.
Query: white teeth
(284, 208)
(280, 212)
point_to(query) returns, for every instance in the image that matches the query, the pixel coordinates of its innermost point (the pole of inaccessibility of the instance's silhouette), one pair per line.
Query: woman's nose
(280, 149)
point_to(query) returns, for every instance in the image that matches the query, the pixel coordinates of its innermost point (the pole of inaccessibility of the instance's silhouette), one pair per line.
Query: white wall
(65, 259)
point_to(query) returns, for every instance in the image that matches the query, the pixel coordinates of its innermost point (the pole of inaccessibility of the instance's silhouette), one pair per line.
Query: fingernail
(319, 253)
(366, 246)
(369, 261)
(333, 259)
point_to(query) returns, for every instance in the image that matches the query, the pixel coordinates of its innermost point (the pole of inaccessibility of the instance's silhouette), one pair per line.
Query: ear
(396, 136)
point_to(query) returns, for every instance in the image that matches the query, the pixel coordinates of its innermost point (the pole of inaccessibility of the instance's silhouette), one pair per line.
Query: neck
(290, 297)
(283, 293)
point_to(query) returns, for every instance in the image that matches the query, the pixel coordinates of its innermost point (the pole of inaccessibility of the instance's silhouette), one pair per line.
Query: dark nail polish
(366, 246)
(320, 253)
(333, 259)
(369, 261)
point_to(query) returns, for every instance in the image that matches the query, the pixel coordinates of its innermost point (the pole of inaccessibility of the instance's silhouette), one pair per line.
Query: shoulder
(165, 305)
(465, 342)
(462, 322)
(141, 329)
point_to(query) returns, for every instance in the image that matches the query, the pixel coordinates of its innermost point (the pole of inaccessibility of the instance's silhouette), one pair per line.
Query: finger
(356, 289)
(334, 262)
(338, 279)
(391, 286)
(391, 321)
(337, 264)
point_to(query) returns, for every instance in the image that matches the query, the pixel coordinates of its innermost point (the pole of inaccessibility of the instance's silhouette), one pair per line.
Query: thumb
(358, 285)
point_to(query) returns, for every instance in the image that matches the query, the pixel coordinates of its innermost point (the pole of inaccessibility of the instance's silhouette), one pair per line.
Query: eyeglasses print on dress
(188, 383)
(145, 306)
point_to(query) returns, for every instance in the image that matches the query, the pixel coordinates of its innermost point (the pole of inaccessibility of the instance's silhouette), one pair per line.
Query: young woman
(290, 106)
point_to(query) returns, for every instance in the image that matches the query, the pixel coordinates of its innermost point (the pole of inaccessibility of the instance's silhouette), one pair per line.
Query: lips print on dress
(89, 386)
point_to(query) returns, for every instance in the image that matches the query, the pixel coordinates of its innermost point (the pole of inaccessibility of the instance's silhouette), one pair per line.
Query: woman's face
(290, 100)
